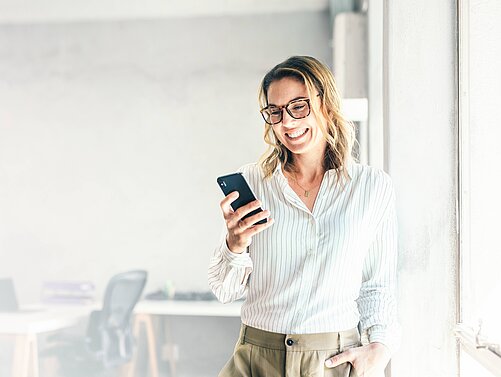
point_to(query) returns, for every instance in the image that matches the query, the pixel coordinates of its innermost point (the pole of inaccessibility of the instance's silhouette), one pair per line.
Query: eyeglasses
(297, 109)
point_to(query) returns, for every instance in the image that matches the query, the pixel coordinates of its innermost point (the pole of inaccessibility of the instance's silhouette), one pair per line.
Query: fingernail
(328, 363)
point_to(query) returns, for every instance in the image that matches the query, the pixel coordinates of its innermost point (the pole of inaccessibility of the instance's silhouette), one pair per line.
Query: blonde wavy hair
(338, 132)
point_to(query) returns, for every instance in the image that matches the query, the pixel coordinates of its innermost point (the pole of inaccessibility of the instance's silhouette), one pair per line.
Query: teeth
(297, 133)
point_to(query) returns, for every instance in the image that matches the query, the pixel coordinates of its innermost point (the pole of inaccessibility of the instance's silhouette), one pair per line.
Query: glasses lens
(272, 115)
(298, 109)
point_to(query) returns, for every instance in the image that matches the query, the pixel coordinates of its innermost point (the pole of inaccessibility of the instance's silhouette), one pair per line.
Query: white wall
(14, 11)
(111, 140)
(484, 80)
(480, 83)
(421, 137)
(113, 134)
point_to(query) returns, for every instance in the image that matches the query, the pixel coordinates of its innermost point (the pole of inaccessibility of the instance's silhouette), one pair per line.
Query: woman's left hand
(368, 361)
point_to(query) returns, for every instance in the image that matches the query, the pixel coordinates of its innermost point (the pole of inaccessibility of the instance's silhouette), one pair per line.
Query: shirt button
(289, 342)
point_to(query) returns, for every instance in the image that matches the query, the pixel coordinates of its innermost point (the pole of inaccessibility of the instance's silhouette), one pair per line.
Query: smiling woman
(295, 133)
(323, 268)
(287, 80)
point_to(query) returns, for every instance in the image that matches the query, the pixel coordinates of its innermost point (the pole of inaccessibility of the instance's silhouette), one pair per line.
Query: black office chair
(109, 341)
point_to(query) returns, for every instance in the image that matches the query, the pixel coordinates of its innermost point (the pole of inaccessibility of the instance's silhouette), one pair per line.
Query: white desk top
(43, 320)
(189, 308)
(56, 317)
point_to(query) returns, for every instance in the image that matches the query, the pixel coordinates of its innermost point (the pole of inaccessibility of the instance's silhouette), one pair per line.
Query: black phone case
(237, 182)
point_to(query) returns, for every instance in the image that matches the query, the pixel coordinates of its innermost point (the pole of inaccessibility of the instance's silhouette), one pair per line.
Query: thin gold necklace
(306, 192)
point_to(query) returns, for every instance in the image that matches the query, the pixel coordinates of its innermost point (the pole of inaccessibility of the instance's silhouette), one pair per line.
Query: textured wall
(421, 146)
(113, 135)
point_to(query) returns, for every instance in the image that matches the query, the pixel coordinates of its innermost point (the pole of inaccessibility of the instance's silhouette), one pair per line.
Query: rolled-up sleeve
(229, 272)
(377, 302)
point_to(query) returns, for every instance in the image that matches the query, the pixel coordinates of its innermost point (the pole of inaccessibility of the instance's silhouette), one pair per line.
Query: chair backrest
(109, 334)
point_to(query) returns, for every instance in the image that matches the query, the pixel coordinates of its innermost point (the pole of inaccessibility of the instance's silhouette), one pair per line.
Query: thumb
(334, 361)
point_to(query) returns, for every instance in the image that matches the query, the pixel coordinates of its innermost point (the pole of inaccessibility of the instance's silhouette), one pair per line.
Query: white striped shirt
(319, 271)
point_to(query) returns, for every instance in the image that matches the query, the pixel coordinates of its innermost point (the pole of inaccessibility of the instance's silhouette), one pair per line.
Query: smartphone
(237, 182)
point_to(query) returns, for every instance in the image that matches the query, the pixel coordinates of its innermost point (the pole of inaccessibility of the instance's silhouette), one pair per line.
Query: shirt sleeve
(229, 272)
(377, 302)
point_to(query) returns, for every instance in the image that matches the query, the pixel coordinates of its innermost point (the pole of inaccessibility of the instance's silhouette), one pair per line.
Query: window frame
(470, 339)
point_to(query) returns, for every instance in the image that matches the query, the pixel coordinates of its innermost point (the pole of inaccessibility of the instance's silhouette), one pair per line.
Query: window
(479, 327)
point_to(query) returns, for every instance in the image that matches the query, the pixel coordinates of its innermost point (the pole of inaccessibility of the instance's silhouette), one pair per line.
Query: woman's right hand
(240, 231)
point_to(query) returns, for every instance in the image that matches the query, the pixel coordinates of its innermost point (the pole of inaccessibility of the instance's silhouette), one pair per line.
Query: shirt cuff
(387, 335)
(235, 259)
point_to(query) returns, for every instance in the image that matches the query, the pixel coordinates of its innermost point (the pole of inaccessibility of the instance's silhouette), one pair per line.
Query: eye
(298, 107)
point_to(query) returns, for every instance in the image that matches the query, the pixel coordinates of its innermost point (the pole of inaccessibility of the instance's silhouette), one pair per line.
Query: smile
(297, 134)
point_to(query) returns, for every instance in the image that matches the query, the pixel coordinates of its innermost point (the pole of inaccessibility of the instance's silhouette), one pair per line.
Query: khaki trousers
(260, 353)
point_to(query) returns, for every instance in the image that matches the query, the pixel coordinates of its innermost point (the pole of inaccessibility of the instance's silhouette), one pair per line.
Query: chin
(297, 150)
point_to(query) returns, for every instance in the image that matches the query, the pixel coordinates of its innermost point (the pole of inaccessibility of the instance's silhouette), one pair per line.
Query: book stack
(68, 292)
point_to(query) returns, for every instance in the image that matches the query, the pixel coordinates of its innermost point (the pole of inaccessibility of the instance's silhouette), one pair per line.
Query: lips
(296, 134)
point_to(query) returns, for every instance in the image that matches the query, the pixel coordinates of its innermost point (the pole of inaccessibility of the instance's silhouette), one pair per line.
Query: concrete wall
(14, 11)
(113, 134)
(421, 137)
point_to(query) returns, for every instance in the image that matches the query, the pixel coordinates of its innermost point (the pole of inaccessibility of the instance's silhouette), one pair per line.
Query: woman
(324, 264)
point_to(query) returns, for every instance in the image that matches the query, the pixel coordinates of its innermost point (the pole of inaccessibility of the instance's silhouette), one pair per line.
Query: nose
(286, 118)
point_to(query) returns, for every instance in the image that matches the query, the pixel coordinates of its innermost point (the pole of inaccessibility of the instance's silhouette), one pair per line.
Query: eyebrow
(294, 99)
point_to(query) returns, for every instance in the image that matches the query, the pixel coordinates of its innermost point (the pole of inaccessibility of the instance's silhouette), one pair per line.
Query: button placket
(308, 271)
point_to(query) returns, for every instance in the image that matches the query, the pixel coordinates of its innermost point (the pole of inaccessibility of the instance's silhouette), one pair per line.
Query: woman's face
(300, 136)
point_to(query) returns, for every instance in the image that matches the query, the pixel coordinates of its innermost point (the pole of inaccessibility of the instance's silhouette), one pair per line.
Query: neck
(308, 167)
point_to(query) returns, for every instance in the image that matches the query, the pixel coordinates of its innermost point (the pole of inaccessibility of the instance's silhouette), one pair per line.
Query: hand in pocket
(368, 361)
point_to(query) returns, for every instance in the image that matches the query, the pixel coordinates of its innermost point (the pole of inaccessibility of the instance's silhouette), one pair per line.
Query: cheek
(315, 129)
(278, 136)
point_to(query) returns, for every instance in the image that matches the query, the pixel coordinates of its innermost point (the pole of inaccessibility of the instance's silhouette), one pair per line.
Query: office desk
(189, 308)
(25, 325)
(145, 310)
(43, 318)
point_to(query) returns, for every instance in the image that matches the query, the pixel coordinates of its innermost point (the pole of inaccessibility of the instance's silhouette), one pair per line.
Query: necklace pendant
(306, 193)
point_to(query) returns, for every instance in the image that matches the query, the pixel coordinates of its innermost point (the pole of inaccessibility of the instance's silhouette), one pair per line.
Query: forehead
(284, 90)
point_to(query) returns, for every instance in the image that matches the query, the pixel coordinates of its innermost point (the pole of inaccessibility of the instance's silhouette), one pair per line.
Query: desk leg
(25, 356)
(145, 320)
(170, 349)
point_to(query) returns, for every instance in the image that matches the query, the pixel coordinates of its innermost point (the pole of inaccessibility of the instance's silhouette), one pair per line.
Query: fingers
(251, 220)
(244, 210)
(226, 203)
(239, 240)
(340, 358)
(247, 227)
(233, 218)
(260, 227)
(240, 231)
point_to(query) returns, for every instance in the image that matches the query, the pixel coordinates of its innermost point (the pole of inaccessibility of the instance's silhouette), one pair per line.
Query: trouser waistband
(299, 342)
